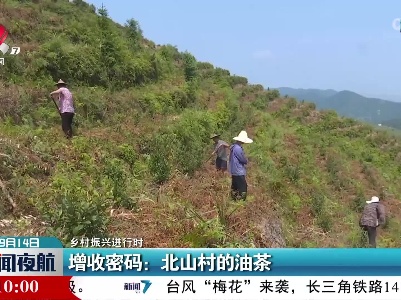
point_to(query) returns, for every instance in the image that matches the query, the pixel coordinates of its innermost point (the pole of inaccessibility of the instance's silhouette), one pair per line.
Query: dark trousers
(372, 233)
(239, 188)
(66, 123)
(221, 165)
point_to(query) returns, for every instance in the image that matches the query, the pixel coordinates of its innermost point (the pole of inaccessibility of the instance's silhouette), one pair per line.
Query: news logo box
(4, 48)
(3, 36)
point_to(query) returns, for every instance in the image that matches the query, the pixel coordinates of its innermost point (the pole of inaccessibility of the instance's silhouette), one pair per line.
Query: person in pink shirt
(66, 107)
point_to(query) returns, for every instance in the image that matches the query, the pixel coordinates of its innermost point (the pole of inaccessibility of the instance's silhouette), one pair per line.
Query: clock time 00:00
(24, 286)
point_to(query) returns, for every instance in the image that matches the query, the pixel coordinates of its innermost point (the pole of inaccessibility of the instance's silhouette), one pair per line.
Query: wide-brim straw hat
(61, 82)
(374, 199)
(243, 137)
(214, 135)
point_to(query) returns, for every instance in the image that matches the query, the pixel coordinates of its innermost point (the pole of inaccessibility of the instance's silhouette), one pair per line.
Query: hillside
(350, 104)
(137, 166)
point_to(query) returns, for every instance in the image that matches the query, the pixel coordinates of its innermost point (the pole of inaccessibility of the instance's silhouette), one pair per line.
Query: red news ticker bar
(36, 287)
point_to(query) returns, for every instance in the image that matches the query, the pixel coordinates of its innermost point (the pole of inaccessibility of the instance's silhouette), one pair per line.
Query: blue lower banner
(141, 273)
(232, 262)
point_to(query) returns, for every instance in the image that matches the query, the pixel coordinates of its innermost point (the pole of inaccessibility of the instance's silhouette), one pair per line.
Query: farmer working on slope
(221, 149)
(373, 216)
(66, 107)
(238, 161)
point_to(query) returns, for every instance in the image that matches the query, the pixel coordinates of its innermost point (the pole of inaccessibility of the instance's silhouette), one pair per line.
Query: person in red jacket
(66, 107)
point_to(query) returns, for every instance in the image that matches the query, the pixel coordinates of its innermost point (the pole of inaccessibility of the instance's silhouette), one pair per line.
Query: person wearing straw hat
(66, 107)
(373, 216)
(238, 162)
(221, 150)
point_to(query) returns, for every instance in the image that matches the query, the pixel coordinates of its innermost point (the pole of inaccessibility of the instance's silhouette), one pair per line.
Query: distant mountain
(394, 123)
(350, 104)
(394, 98)
(313, 94)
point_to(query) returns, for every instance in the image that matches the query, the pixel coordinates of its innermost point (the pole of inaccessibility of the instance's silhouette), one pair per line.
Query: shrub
(192, 134)
(180, 146)
(128, 154)
(76, 205)
(114, 170)
(318, 204)
(160, 156)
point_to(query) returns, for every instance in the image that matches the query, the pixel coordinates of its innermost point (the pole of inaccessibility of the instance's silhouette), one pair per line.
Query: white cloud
(262, 54)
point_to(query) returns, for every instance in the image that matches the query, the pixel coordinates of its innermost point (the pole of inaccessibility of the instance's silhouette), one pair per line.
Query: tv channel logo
(397, 24)
(138, 287)
(4, 48)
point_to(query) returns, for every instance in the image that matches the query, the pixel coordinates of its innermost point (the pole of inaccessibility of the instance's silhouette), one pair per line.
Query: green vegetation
(136, 167)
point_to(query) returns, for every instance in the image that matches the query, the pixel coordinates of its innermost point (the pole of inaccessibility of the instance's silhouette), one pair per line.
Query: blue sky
(341, 45)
